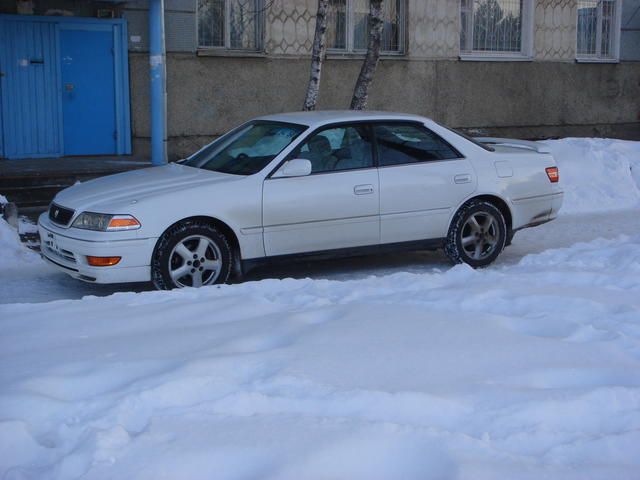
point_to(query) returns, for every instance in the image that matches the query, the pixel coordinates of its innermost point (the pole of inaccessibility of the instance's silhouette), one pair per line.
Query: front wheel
(191, 254)
(477, 235)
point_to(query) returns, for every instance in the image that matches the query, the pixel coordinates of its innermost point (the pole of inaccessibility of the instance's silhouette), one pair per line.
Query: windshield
(247, 149)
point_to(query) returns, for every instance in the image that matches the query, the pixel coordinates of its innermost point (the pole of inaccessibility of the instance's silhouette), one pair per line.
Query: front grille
(60, 215)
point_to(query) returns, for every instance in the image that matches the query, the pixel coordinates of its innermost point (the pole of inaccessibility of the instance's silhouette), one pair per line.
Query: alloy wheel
(480, 235)
(195, 261)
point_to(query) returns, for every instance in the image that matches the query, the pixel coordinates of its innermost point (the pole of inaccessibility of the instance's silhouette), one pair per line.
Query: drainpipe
(158, 73)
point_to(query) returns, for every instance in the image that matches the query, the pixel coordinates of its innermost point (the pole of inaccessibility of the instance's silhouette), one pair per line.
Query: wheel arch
(499, 203)
(224, 228)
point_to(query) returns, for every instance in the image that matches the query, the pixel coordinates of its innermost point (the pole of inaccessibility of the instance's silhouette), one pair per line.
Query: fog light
(102, 261)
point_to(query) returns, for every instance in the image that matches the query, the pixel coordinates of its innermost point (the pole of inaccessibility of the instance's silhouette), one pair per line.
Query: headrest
(320, 145)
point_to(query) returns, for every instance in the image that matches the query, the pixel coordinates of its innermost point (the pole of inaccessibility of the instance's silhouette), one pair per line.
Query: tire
(476, 243)
(178, 257)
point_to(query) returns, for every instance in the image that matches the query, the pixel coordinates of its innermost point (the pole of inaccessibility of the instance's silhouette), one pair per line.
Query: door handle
(463, 178)
(363, 189)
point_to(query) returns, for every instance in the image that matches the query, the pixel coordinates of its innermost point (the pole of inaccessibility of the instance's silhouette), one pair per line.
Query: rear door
(422, 178)
(334, 207)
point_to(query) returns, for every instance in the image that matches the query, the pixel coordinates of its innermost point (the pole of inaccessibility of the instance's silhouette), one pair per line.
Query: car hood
(116, 191)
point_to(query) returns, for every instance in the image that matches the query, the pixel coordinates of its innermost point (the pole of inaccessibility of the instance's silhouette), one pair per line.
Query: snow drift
(525, 371)
(13, 254)
(597, 174)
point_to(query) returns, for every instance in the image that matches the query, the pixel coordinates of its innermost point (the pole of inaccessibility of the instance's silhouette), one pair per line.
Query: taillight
(553, 174)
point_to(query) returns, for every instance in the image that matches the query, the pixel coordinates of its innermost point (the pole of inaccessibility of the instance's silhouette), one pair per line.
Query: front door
(334, 207)
(422, 178)
(88, 91)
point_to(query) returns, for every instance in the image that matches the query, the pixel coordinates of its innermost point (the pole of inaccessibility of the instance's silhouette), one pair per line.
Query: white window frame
(226, 48)
(526, 42)
(617, 27)
(350, 29)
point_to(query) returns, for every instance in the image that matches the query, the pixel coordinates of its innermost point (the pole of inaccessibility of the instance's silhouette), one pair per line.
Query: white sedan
(303, 184)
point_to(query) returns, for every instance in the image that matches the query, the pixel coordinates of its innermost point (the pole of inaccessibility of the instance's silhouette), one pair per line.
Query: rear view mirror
(298, 167)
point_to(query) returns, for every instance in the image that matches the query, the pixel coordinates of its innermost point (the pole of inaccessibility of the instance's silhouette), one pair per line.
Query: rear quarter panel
(518, 177)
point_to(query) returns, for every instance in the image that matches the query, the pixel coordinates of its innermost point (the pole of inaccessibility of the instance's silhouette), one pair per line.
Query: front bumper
(61, 248)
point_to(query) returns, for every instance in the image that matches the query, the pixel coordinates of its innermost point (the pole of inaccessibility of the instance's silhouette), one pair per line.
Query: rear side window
(403, 143)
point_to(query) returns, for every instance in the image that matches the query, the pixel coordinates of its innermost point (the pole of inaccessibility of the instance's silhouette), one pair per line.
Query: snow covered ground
(376, 368)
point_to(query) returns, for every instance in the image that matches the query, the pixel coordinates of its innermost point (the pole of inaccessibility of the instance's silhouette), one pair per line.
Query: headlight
(103, 222)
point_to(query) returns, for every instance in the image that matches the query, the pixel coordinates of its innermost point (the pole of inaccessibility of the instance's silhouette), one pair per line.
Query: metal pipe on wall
(158, 73)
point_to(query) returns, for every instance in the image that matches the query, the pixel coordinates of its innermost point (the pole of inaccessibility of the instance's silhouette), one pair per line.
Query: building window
(496, 28)
(598, 29)
(230, 24)
(348, 26)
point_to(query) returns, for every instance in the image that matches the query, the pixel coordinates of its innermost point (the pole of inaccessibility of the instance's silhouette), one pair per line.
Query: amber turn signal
(123, 223)
(553, 174)
(102, 261)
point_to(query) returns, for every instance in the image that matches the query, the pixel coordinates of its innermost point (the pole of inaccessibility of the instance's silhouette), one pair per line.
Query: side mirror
(298, 167)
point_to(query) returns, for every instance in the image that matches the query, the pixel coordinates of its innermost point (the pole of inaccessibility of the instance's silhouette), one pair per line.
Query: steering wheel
(242, 156)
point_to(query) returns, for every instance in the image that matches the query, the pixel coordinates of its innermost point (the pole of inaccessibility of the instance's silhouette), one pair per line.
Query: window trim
(617, 26)
(226, 48)
(376, 154)
(350, 50)
(526, 40)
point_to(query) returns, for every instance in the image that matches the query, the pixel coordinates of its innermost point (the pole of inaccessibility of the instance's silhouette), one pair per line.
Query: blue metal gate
(64, 87)
(29, 85)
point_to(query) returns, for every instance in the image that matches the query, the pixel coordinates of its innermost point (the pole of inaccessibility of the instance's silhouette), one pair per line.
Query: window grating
(348, 25)
(232, 24)
(493, 26)
(596, 34)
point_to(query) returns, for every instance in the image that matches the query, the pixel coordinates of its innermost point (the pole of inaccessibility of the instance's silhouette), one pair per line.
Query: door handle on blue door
(464, 178)
(363, 189)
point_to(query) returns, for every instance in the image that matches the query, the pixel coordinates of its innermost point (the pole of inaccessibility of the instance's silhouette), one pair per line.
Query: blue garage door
(88, 92)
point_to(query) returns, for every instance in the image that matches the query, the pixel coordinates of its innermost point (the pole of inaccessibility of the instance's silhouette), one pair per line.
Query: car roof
(323, 117)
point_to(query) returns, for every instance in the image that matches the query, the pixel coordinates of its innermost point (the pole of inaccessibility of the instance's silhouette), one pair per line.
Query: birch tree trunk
(317, 56)
(361, 90)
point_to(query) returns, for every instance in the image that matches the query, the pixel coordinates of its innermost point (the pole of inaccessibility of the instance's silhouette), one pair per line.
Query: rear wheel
(477, 235)
(191, 254)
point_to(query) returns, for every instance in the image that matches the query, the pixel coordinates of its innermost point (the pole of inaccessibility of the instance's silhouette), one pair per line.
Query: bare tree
(376, 24)
(317, 56)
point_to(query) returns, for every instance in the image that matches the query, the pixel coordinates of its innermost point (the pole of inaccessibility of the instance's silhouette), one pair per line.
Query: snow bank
(523, 372)
(13, 254)
(597, 174)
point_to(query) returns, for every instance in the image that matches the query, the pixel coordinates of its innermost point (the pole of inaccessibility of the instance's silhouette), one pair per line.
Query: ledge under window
(596, 60)
(359, 55)
(494, 57)
(224, 52)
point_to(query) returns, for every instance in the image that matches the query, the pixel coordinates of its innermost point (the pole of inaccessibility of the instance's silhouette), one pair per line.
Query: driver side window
(346, 147)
